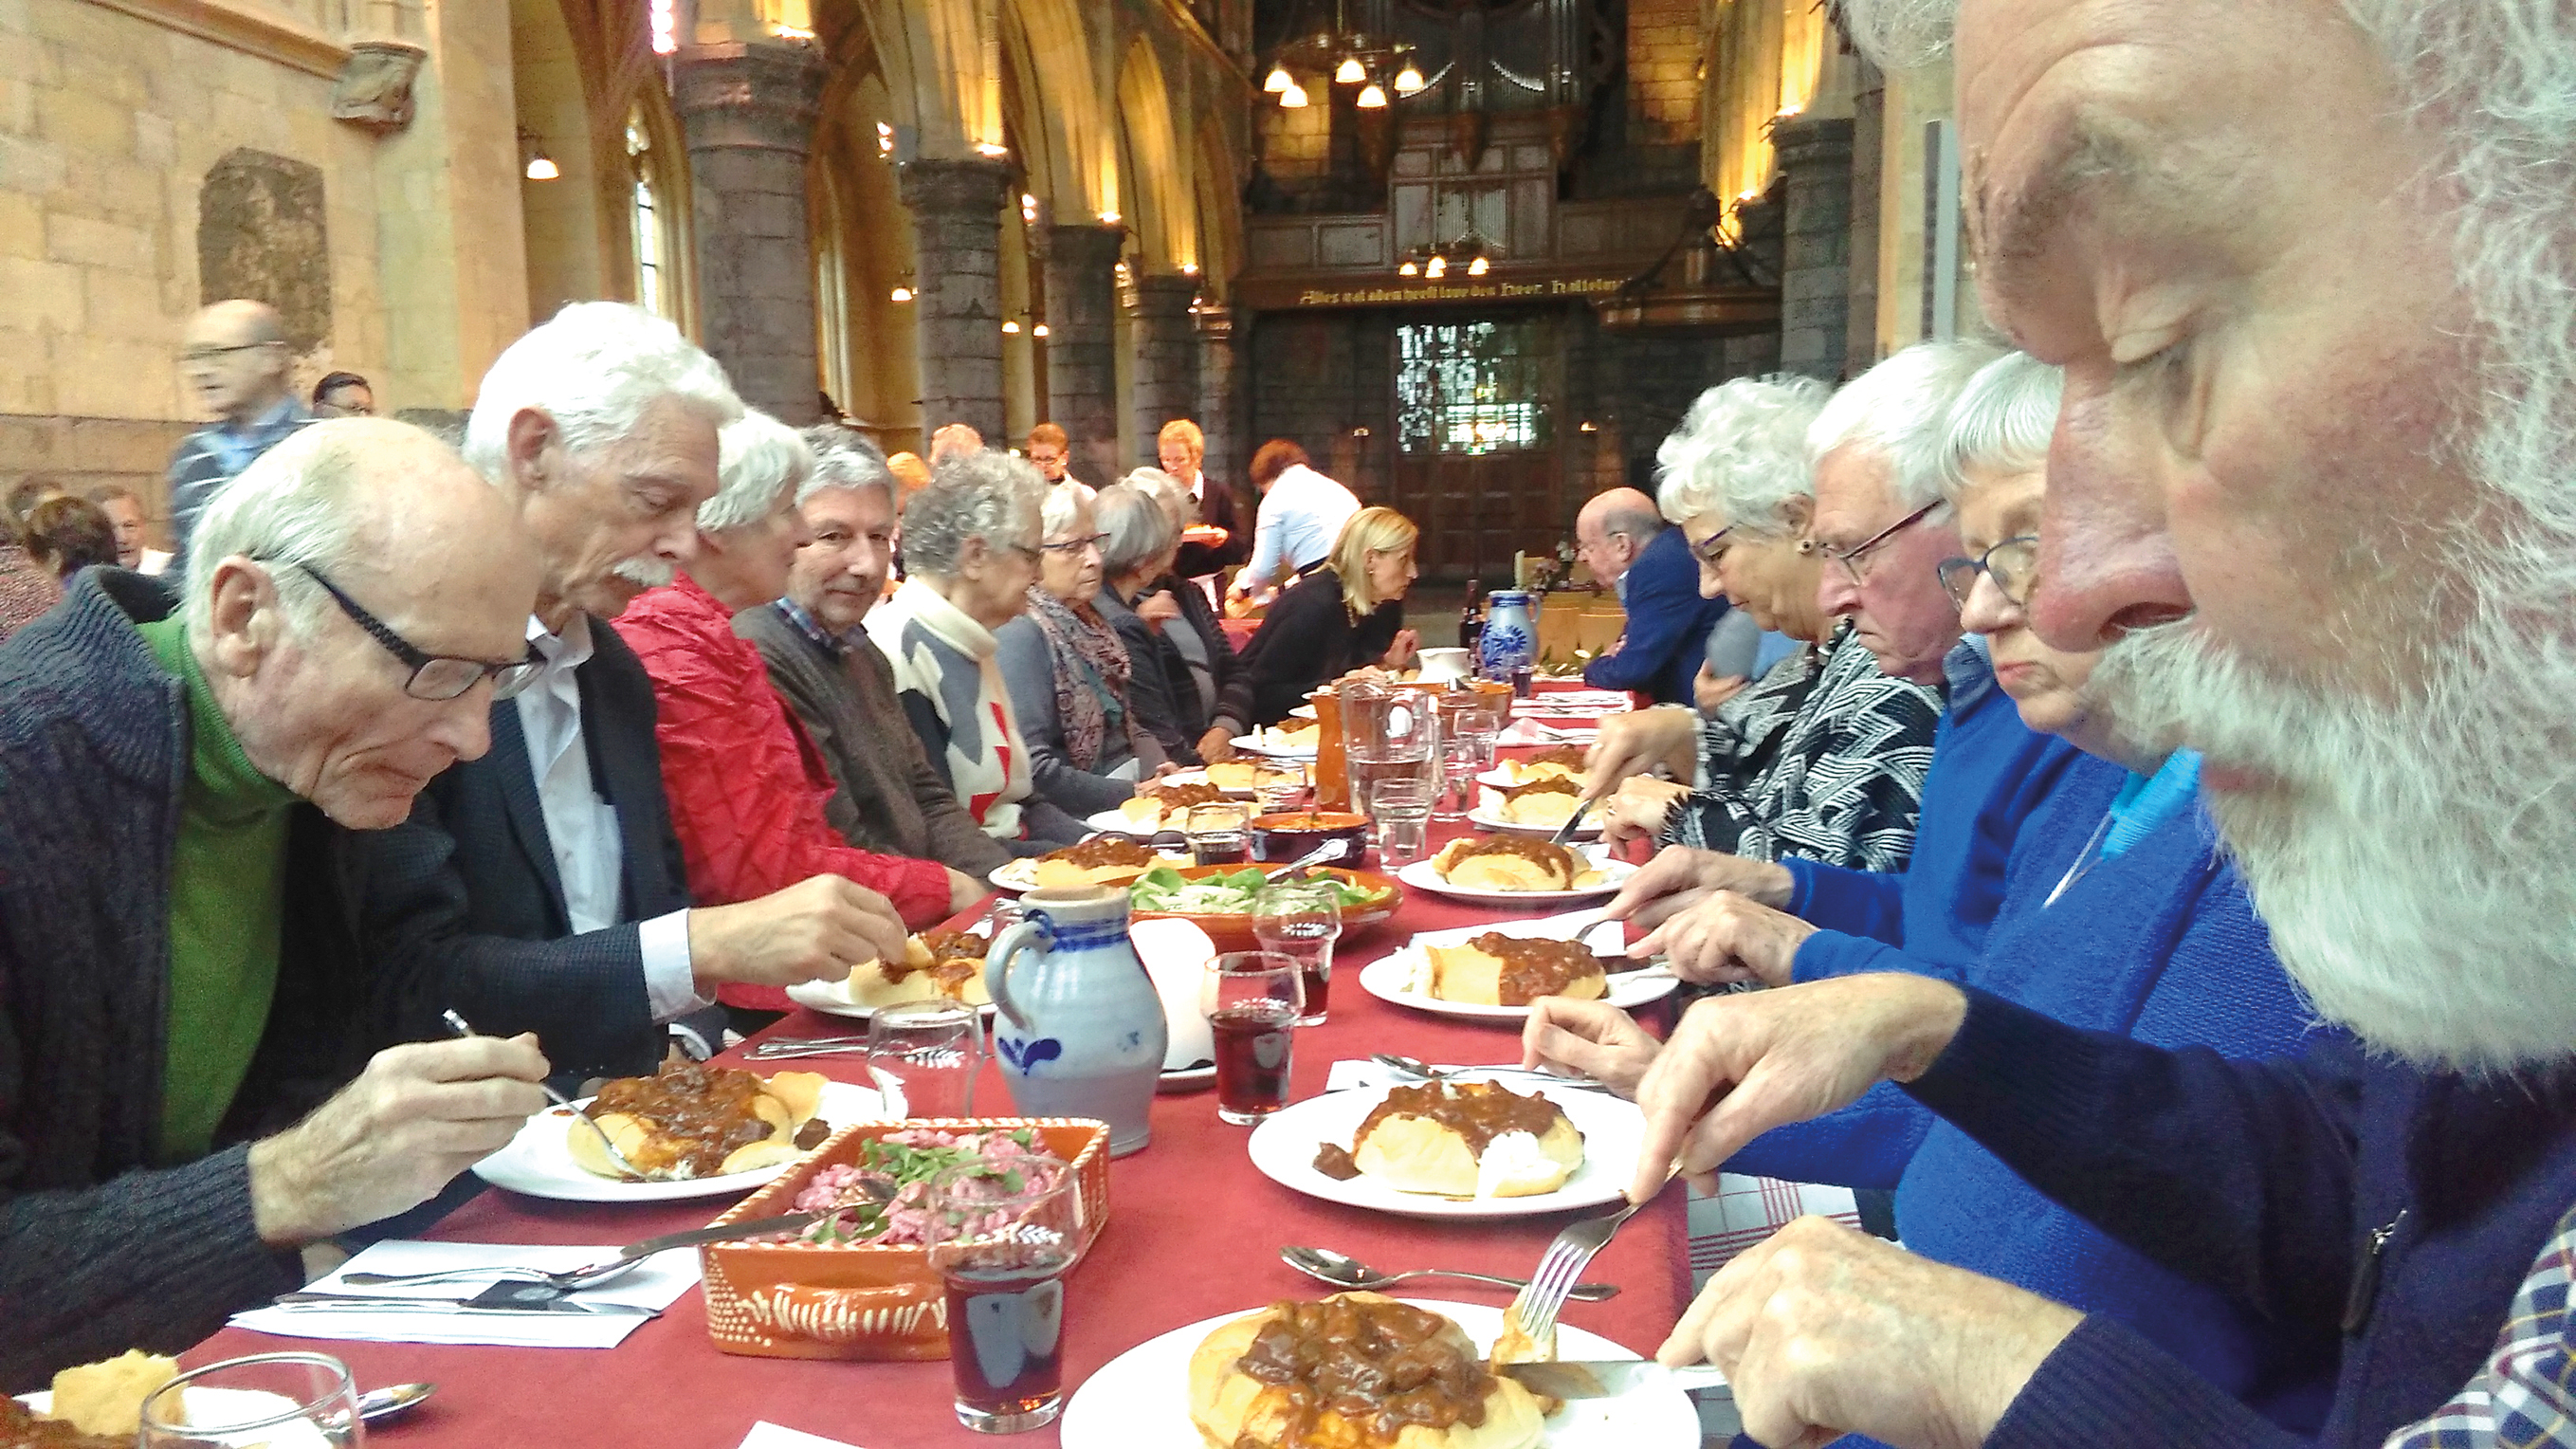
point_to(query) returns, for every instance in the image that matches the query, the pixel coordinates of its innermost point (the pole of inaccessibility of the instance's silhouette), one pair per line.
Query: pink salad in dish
(910, 1158)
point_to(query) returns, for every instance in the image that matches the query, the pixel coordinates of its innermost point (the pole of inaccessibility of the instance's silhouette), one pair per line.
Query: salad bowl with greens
(1219, 898)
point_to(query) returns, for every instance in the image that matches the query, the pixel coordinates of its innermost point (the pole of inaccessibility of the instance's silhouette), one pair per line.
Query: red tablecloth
(1194, 1231)
(1239, 632)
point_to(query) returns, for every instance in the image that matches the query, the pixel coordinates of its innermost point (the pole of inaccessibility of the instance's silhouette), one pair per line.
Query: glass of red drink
(1252, 1000)
(1002, 1236)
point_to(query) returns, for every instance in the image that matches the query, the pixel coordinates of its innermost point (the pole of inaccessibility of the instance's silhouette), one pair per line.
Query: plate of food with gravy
(1496, 971)
(1516, 870)
(1454, 1148)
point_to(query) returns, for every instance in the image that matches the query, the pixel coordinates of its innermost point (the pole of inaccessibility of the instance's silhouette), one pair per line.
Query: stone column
(956, 211)
(1082, 349)
(1220, 406)
(1815, 265)
(749, 113)
(1869, 149)
(1166, 353)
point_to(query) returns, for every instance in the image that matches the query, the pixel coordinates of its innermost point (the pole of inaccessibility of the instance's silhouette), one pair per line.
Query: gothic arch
(1165, 205)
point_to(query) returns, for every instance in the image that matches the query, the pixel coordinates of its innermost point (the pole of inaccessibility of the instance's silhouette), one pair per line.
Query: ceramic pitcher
(1511, 636)
(1078, 1028)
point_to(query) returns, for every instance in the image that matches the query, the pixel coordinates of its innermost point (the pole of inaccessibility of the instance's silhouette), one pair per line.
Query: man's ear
(532, 434)
(244, 617)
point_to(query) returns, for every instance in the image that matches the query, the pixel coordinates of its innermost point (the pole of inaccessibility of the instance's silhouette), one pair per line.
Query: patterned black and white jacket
(1821, 759)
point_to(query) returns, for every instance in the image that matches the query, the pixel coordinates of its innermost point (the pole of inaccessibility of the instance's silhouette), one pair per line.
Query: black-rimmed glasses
(1850, 558)
(1077, 545)
(2013, 564)
(435, 677)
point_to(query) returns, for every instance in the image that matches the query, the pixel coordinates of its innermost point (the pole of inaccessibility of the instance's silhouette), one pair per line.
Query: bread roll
(1499, 970)
(943, 965)
(1252, 1382)
(692, 1120)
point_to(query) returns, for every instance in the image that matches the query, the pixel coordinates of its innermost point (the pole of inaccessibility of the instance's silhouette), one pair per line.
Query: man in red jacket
(746, 785)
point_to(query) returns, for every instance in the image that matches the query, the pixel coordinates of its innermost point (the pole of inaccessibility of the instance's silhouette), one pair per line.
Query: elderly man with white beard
(2308, 269)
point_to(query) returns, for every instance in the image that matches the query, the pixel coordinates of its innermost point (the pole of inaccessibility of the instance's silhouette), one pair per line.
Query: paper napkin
(766, 1435)
(656, 1284)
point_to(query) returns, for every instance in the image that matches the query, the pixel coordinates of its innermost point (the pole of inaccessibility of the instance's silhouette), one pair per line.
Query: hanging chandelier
(1470, 253)
(1351, 57)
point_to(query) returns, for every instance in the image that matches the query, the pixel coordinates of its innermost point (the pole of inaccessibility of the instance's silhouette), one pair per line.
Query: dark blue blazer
(1668, 623)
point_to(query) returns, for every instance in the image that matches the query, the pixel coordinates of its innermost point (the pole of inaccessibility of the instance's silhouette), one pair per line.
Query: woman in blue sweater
(2117, 916)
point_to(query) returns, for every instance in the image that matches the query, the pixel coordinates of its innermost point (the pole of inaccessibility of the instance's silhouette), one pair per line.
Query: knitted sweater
(952, 691)
(99, 1250)
(2158, 943)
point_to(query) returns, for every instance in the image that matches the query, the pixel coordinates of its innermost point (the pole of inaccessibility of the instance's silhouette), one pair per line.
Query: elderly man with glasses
(188, 782)
(1883, 527)
(237, 364)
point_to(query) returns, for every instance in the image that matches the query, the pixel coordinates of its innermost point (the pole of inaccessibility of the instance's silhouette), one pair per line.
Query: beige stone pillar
(956, 211)
(1166, 347)
(1082, 355)
(749, 110)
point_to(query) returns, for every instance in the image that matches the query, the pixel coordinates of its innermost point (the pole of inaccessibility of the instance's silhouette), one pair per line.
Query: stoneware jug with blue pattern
(1077, 1026)
(1510, 639)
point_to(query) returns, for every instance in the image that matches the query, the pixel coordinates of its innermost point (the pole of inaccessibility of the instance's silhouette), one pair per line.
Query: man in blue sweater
(2309, 487)
(1623, 538)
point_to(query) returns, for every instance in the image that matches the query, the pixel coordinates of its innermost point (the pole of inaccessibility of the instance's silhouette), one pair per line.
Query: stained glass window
(1469, 387)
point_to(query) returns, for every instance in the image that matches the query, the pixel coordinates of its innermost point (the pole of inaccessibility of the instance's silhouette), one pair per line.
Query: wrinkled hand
(1399, 655)
(815, 930)
(1588, 1038)
(1158, 608)
(1636, 743)
(1727, 938)
(1640, 808)
(965, 892)
(387, 1142)
(1710, 690)
(1738, 1066)
(1824, 1331)
(1217, 744)
(1680, 877)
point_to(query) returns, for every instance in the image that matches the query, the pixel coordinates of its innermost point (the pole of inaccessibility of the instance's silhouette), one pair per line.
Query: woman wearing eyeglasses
(1823, 757)
(1069, 673)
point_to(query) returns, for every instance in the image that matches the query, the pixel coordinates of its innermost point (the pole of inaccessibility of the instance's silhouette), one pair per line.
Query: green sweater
(226, 889)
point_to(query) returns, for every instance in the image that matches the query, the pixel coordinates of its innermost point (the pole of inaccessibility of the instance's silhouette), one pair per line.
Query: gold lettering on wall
(1455, 292)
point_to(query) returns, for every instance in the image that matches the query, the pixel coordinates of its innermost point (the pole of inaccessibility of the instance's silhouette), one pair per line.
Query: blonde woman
(1343, 615)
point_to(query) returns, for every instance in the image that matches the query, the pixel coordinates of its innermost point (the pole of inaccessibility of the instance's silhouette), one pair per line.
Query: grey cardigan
(1029, 671)
(890, 800)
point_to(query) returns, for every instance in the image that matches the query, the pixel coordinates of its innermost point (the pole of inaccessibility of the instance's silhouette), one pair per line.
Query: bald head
(235, 360)
(1613, 528)
(394, 521)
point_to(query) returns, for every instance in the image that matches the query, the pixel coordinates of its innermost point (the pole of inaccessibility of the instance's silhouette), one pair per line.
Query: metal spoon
(392, 1400)
(1344, 1271)
(1424, 1071)
(1333, 849)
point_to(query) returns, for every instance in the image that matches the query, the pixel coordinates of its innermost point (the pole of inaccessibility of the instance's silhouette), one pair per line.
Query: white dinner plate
(1283, 1147)
(1590, 829)
(1264, 744)
(1021, 874)
(1391, 976)
(232, 1406)
(1141, 1398)
(1584, 701)
(539, 1164)
(1303, 711)
(1423, 875)
(832, 998)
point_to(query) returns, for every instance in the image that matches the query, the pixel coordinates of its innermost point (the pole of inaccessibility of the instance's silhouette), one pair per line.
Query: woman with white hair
(748, 792)
(1137, 544)
(1216, 705)
(971, 541)
(1822, 758)
(1070, 675)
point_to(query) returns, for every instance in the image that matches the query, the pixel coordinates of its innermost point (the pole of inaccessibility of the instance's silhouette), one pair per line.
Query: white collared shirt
(581, 827)
(1296, 525)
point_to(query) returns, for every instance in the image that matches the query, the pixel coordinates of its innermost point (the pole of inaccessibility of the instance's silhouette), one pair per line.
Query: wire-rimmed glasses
(1854, 559)
(2013, 564)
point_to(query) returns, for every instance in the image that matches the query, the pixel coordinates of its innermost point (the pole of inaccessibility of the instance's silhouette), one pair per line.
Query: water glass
(1283, 793)
(1002, 1236)
(1252, 1000)
(1460, 764)
(283, 1398)
(1400, 811)
(1301, 920)
(1217, 835)
(934, 1050)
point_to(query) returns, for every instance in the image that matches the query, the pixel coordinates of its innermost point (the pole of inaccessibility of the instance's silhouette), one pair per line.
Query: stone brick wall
(1664, 54)
(1314, 377)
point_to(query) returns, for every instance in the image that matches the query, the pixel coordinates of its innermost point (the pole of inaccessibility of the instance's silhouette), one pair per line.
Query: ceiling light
(1476, 268)
(1372, 97)
(1293, 98)
(1350, 73)
(542, 167)
(1278, 81)
(1039, 330)
(1011, 327)
(1408, 269)
(1439, 267)
(1408, 80)
(901, 293)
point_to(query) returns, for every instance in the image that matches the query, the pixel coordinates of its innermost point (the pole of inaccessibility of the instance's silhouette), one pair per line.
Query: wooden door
(1477, 460)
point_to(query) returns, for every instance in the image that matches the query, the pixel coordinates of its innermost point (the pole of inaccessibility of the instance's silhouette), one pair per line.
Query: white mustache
(651, 572)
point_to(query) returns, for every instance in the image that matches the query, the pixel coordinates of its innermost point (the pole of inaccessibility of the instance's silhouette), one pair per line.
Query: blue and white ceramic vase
(1077, 1028)
(1511, 638)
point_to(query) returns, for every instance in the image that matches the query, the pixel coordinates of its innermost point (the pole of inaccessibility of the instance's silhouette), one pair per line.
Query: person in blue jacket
(2118, 915)
(1623, 538)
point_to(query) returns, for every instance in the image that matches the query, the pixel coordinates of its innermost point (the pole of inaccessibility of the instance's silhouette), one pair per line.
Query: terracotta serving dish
(1288, 835)
(809, 1300)
(1233, 931)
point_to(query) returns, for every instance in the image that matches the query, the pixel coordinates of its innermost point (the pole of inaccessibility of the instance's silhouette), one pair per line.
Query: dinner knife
(1609, 1378)
(389, 1303)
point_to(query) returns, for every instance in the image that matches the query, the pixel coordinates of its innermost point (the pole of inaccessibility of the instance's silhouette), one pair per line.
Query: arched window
(652, 283)
(657, 208)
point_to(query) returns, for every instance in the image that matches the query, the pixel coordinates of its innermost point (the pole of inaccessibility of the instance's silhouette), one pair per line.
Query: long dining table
(1194, 1231)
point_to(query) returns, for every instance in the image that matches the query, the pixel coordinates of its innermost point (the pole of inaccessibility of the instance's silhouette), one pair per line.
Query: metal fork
(1535, 1310)
(783, 1047)
(456, 1024)
(1424, 1071)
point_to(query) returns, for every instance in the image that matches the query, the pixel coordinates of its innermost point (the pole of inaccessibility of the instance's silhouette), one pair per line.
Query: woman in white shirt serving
(1302, 512)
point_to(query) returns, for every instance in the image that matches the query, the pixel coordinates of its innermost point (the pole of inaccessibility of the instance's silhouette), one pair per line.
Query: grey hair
(1742, 451)
(296, 503)
(985, 494)
(759, 460)
(1900, 35)
(2002, 421)
(1063, 501)
(844, 459)
(594, 369)
(1140, 532)
(1901, 409)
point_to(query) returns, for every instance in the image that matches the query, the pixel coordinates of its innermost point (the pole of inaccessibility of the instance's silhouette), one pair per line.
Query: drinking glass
(1284, 793)
(1301, 920)
(1400, 809)
(283, 1398)
(1217, 835)
(1460, 764)
(1002, 1236)
(934, 1049)
(1252, 1000)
